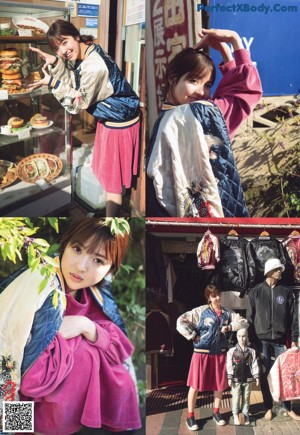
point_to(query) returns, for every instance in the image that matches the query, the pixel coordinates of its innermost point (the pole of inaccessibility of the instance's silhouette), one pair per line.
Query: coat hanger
(264, 234)
(233, 233)
(295, 233)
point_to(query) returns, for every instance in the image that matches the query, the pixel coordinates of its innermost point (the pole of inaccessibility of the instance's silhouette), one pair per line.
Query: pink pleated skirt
(208, 372)
(116, 155)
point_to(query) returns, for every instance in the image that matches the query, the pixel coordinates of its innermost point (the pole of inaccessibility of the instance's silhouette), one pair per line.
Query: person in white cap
(273, 322)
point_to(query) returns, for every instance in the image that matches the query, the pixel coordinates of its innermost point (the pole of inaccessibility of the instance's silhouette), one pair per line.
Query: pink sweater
(239, 90)
(76, 382)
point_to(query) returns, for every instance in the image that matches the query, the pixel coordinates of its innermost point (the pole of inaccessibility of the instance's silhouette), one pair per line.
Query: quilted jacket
(190, 152)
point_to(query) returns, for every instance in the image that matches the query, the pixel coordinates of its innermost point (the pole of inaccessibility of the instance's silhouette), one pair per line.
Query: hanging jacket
(265, 248)
(284, 376)
(190, 154)
(292, 245)
(237, 267)
(208, 251)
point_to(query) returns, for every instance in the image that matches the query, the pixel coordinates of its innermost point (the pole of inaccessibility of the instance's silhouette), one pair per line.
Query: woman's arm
(72, 326)
(240, 88)
(79, 89)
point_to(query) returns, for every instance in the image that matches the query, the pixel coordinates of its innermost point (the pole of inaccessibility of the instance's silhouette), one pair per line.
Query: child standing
(82, 76)
(190, 166)
(208, 365)
(72, 359)
(242, 368)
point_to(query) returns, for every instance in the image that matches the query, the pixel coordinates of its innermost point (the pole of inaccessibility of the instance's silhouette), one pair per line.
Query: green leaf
(127, 268)
(41, 242)
(54, 223)
(50, 261)
(43, 285)
(55, 299)
(35, 263)
(19, 254)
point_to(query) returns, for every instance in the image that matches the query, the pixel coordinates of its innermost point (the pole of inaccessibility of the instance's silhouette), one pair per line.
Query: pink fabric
(115, 157)
(76, 382)
(284, 376)
(208, 372)
(239, 90)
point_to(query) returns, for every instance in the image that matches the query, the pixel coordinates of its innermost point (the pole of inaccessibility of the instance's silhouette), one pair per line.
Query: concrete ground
(173, 422)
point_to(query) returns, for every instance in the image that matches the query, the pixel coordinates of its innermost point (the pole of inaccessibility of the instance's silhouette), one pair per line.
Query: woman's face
(188, 91)
(69, 48)
(215, 299)
(81, 269)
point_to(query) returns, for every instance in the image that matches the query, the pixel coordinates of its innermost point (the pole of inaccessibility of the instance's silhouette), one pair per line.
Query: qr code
(18, 417)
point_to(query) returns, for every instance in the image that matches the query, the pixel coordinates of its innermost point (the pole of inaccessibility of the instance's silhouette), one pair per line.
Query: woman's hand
(48, 58)
(214, 37)
(42, 82)
(72, 326)
(225, 329)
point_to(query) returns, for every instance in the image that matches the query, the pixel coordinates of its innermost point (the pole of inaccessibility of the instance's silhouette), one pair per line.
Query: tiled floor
(173, 422)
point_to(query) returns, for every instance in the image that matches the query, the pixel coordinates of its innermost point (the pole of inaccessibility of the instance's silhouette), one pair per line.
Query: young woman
(72, 357)
(83, 77)
(190, 166)
(207, 326)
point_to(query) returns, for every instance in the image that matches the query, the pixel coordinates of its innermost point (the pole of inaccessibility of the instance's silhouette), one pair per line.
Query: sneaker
(191, 423)
(219, 419)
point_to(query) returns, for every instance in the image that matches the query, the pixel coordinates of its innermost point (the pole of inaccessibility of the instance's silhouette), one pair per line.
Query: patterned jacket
(190, 165)
(97, 85)
(242, 365)
(204, 327)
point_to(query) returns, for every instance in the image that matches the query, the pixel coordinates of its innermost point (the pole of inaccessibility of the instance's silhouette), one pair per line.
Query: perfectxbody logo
(246, 7)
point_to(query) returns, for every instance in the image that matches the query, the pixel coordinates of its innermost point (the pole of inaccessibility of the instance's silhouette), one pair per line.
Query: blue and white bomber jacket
(96, 85)
(204, 327)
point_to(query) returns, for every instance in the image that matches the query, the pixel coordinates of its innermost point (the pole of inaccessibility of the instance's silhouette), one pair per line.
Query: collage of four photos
(149, 217)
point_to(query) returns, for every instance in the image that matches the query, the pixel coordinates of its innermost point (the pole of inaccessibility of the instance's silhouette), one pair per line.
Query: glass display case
(35, 158)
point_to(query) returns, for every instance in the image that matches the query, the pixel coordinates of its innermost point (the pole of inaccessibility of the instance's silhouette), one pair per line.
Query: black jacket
(237, 266)
(265, 248)
(271, 313)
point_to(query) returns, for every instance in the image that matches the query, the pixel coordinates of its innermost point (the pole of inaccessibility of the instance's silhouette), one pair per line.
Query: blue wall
(275, 30)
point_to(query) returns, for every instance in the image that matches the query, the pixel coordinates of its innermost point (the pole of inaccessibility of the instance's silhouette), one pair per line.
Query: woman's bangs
(199, 72)
(55, 41)
(94, 240)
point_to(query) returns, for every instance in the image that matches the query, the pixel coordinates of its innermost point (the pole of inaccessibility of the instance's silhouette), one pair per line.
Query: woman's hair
(194, 64)
(211, 290)
(60, 29)
(96, 232)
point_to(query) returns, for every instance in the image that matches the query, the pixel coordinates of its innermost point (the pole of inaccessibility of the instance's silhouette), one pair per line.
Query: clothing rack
(243, 226)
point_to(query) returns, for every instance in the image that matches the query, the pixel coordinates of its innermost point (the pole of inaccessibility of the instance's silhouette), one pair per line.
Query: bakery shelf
(34, 134)
(22, 198)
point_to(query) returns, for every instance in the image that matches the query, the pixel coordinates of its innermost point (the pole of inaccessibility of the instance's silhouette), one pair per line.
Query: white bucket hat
(273, 263)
